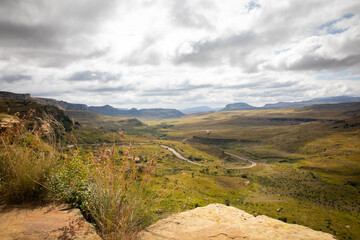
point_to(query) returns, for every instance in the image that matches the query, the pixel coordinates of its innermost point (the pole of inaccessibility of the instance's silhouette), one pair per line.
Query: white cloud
(161, 53)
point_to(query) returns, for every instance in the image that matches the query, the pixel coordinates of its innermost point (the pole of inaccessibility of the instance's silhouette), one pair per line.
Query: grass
(119, 202)
(109, 187)
(25, 161)
(309, 169)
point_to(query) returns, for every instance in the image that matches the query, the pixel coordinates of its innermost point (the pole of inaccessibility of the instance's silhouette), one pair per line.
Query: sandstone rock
(46, 222)
(217, 221)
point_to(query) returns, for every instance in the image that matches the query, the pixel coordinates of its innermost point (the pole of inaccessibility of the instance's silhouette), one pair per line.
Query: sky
(180, 53)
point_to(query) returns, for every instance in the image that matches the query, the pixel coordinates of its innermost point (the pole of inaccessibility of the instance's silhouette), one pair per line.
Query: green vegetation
(25, 161)
(110, 188)
(307, 168)
(308, 163)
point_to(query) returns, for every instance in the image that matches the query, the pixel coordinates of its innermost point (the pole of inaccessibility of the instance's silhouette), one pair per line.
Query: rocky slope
(217, 221)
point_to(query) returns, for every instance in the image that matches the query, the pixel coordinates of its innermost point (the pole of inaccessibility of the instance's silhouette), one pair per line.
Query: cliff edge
(217, 221)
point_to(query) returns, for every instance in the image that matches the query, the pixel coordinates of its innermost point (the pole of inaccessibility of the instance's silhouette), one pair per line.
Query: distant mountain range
(133, 112)
(279, 105)
(104, 110)
(199, 109)
(171, 113)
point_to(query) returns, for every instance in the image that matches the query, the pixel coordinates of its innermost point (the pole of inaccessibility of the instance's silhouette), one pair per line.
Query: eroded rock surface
(45, 222)
(217, 221)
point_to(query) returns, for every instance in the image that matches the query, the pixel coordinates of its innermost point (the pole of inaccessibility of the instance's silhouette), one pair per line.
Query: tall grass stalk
(120, 203)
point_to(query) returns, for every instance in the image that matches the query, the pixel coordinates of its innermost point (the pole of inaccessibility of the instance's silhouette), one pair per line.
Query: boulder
(217, 221)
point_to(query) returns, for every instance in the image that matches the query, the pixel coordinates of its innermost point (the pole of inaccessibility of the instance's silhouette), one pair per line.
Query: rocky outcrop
(238, 106)
(15, 96)
(60, 104)
(217, 221)
(47, 101)
(46, 222)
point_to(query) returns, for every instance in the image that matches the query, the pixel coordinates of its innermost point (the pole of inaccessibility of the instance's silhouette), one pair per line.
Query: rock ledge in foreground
(49, 222)
(217, 221)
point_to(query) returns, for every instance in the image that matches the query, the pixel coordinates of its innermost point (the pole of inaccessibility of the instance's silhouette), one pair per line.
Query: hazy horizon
(180, 54)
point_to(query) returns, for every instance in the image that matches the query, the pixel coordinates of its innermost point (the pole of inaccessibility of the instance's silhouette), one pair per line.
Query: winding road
(181, 157)
(253, 164)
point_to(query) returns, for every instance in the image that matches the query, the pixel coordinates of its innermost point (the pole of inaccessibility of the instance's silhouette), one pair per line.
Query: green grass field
(308, 164)
(308, 161)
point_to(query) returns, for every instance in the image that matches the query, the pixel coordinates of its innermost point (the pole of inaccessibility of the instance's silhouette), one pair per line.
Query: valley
(305, 162)
(298, 165)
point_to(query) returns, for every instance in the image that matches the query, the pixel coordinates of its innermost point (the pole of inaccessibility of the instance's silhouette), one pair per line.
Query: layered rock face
(217, 221)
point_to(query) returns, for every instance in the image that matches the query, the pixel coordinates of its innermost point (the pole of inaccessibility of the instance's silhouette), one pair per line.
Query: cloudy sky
(180, 53)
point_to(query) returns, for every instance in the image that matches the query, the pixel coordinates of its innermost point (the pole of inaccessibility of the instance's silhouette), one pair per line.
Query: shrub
(69, 180)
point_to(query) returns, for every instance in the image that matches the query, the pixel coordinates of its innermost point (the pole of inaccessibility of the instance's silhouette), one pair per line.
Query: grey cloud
(254, 84)
(15, 34)
(186, 16)
(90, 75)
(137, 58)
(176, 91)
(143, 55)
(187, 86)
(97, 53)
(314, 62)
(295, 91)
(107, 89)
(15, 78)
(161, 92)
(272, 84)
(232, 50)
(45, 29)
(50, 94)
(49, 58)
(258, 84)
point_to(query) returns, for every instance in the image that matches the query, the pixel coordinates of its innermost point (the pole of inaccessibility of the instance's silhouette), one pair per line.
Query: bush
(69, 180)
